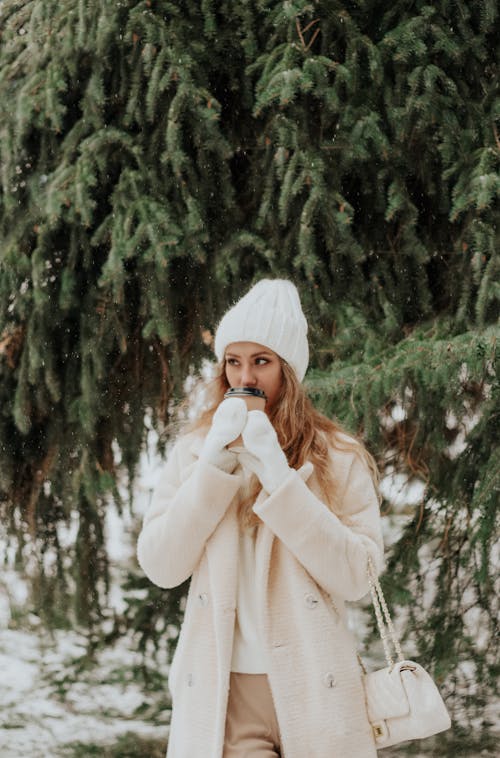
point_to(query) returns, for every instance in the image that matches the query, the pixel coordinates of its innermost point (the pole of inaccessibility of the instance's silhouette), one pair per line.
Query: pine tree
(115, 173)
(156, 159)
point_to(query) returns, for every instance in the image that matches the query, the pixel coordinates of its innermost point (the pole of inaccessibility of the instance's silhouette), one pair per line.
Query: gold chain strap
(382, 614)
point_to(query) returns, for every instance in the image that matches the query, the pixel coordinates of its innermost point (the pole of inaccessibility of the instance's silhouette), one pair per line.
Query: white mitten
(263, 455)
(227, 424)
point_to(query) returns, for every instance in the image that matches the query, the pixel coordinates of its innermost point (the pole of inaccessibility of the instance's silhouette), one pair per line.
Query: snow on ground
(45, 706)
(49, 698)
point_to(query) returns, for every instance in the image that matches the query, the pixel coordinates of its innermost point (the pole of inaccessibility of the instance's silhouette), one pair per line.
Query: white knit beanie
(271, 315)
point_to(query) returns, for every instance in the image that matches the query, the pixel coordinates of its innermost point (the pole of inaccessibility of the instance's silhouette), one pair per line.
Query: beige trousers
(251, 726)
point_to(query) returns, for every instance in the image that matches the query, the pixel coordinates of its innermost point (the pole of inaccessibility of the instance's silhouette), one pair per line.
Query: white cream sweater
(248, 655)
(248, 647)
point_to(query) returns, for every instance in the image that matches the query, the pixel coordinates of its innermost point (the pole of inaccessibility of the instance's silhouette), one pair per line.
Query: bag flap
(385, 694)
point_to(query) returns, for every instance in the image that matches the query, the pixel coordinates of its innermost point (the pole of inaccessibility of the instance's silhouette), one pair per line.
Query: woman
(275, 534)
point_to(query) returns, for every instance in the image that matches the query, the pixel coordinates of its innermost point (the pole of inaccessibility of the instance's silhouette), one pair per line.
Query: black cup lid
(245, 391)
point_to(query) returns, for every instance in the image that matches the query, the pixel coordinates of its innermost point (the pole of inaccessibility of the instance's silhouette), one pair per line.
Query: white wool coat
(308, 562)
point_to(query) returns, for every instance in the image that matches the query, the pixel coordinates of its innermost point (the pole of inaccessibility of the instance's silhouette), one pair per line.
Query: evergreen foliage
(158, 157)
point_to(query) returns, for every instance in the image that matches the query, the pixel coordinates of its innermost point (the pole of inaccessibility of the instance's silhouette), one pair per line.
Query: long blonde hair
(303, 432)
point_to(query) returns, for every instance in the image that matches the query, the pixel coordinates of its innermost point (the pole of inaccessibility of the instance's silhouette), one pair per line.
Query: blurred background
(158, 158)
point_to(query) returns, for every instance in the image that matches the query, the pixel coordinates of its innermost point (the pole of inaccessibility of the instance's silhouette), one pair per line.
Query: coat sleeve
(187, 504)
(333, 549)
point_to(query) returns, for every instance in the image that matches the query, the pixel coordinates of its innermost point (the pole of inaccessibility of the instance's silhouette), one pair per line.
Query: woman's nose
(247, 376)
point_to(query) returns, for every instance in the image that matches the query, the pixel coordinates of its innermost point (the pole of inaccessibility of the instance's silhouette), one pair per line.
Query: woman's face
(251, 365)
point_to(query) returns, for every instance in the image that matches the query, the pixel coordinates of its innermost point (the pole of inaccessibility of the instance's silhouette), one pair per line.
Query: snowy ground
(48, 704)
(51, 696)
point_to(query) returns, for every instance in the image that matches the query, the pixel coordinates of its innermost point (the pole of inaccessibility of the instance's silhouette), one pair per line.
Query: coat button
(329, 680)
(190, 680)
(203, 599)
(311, 600)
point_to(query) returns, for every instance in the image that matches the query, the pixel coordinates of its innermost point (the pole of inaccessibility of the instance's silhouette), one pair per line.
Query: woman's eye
(261, 361)
(231, 361)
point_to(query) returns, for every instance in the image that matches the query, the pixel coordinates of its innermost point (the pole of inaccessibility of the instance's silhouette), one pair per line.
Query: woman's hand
(227, 424)
(263, 455)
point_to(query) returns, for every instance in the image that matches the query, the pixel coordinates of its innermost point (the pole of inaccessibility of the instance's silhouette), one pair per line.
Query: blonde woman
(273, 514)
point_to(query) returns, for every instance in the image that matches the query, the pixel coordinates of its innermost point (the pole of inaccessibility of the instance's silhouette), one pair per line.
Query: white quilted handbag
(402, 700)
